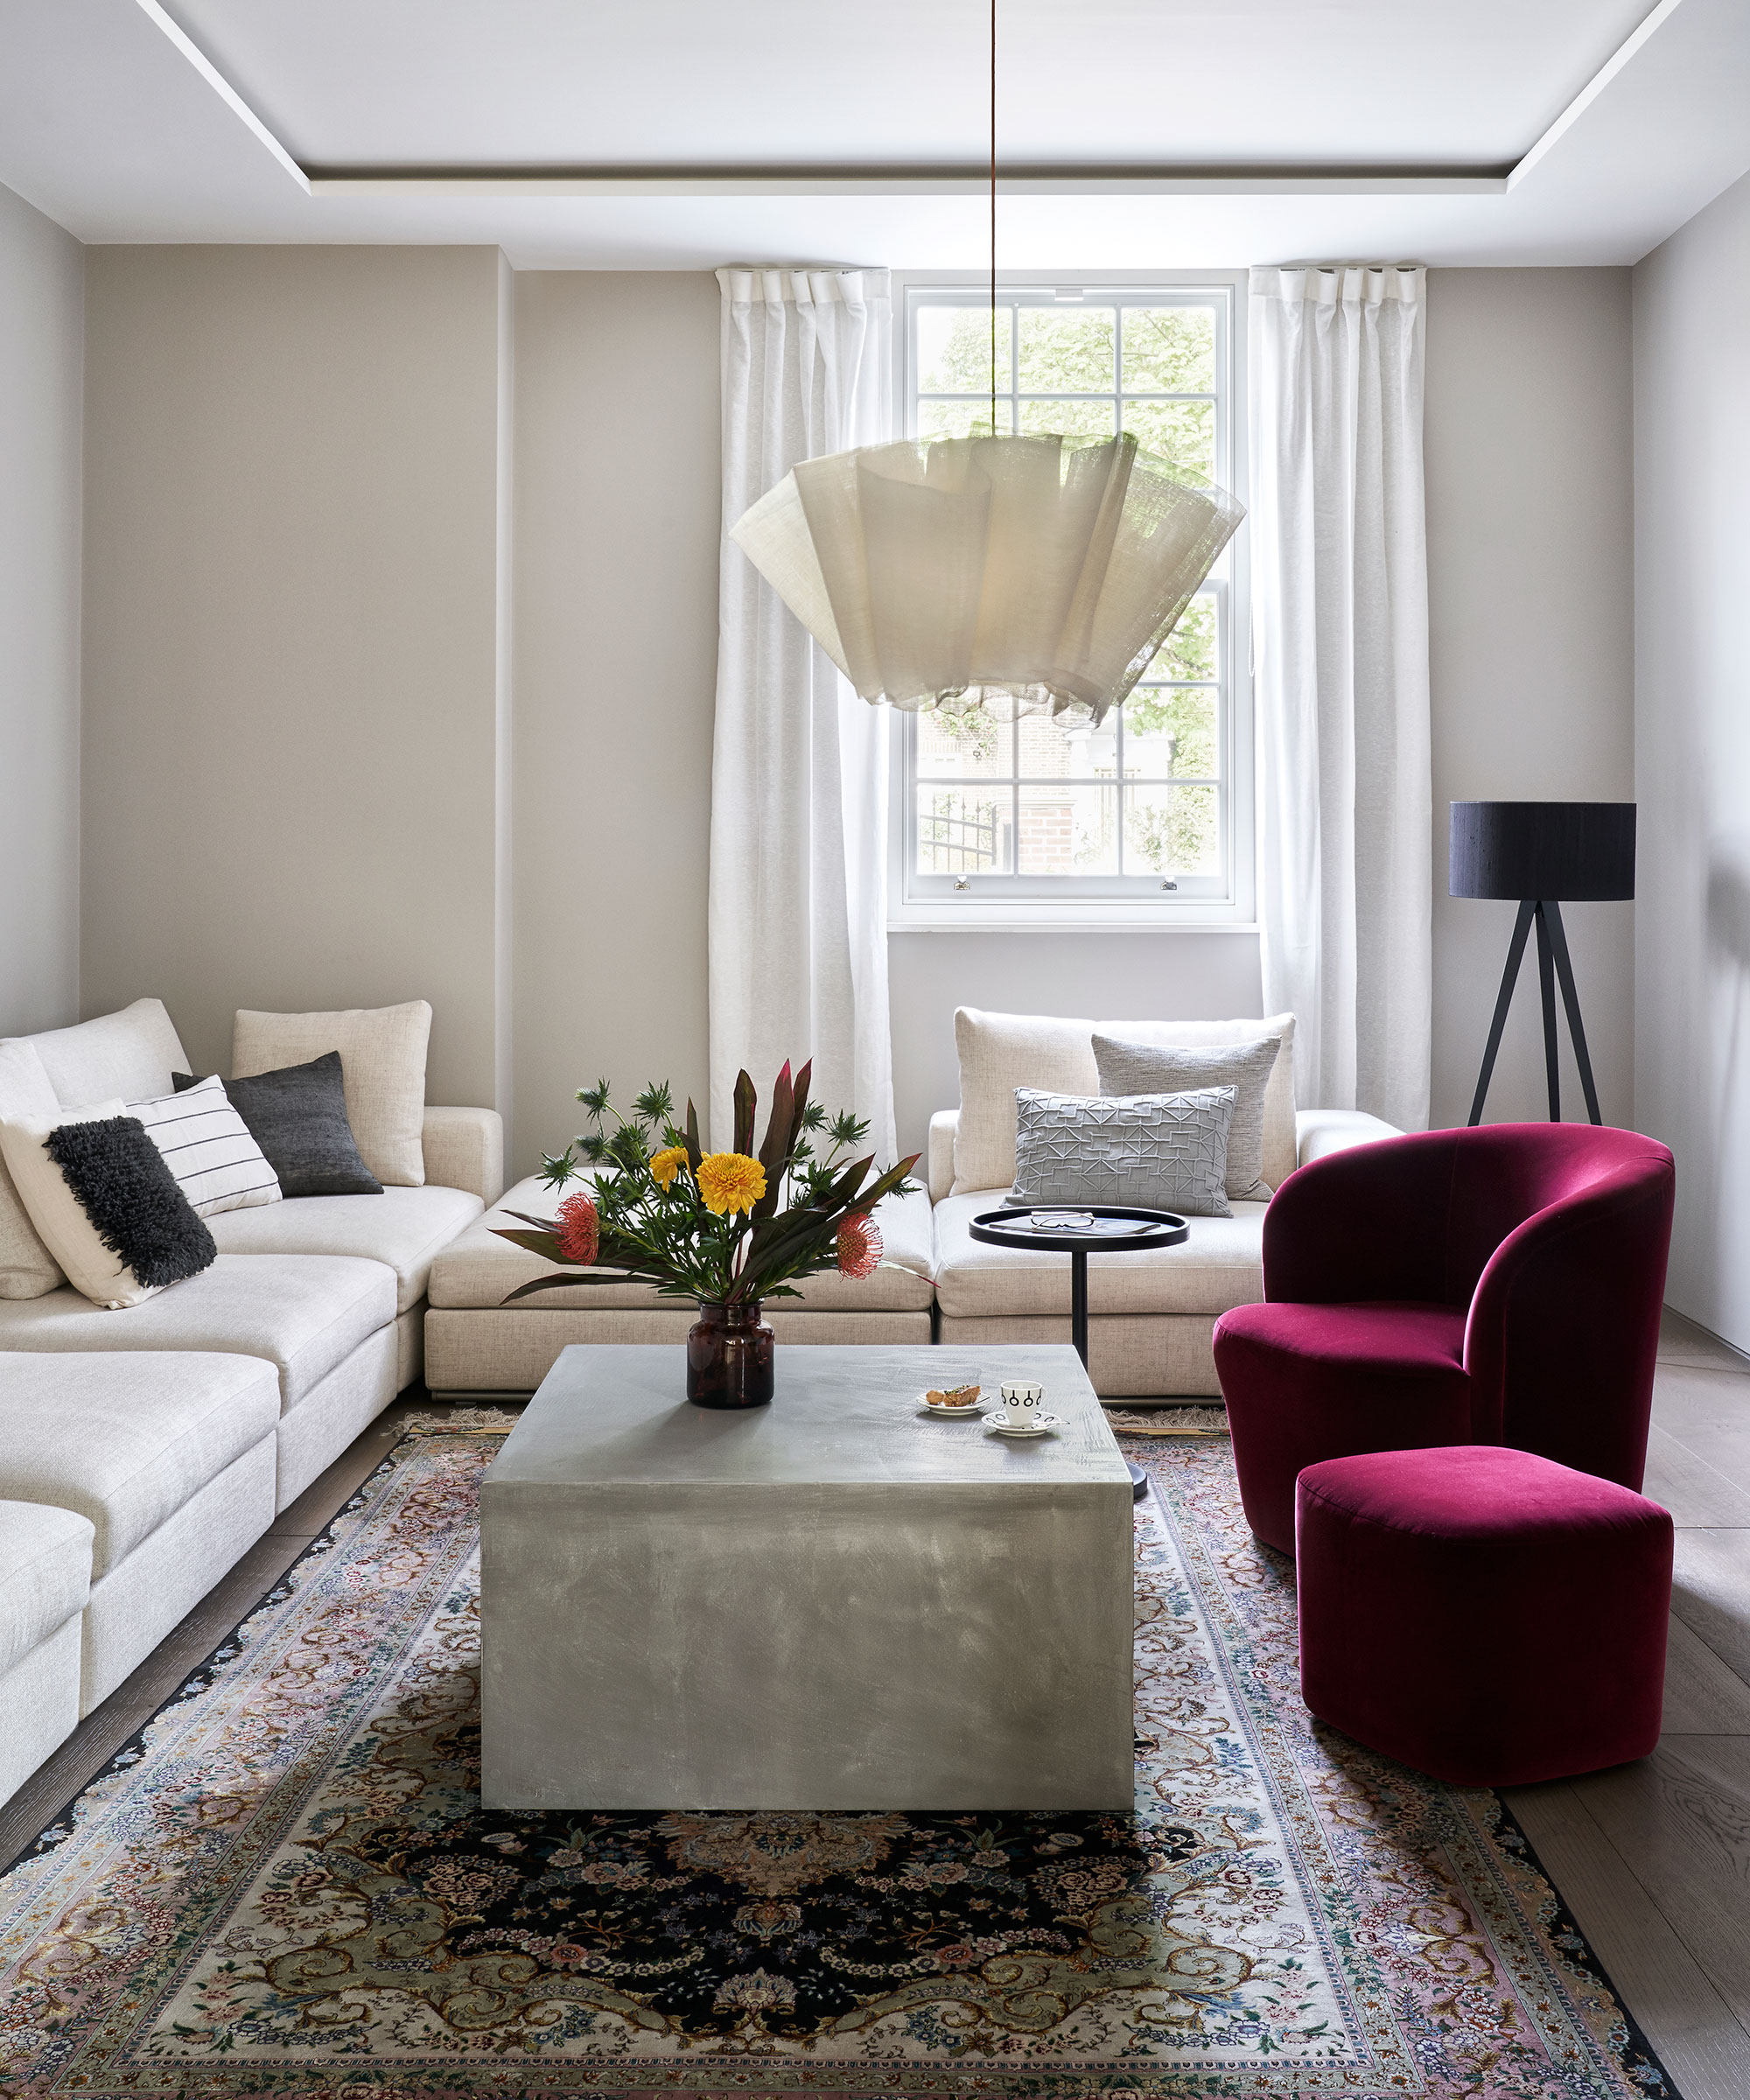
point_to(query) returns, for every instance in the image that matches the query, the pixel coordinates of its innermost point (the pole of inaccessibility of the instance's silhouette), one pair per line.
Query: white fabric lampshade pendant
(1012, 574)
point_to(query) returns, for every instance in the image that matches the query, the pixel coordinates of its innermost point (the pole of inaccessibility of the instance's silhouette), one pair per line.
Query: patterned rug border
(1640, 2063)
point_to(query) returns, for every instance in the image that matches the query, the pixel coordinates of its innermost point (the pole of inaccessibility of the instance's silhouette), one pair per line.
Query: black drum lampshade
(1570, 852)
(1542, 855)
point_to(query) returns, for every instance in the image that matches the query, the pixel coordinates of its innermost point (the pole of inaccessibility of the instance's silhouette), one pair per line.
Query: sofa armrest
(939, 1160)
(1319, 1131)
(464, 1149)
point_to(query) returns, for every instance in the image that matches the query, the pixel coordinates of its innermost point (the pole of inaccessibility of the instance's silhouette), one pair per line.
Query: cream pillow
(382, 1070)
(999, 1052)
(58, 1214)
(27, 1269)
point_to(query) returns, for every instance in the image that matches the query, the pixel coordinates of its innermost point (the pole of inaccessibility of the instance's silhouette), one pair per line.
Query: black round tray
(1155, 1228)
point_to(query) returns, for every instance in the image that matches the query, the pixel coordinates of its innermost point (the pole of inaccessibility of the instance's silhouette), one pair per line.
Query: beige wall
(346, 763)
(1119, 975)
(1530, 491)
(291, 646)
(42, 274)
(1693, 745)
(616, 560)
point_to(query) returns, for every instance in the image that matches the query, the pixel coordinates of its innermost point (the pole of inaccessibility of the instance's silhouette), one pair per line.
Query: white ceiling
(681, 133)
(669, 82)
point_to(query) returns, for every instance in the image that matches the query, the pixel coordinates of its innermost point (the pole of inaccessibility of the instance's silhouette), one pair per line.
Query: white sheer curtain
(1340, 622)
(799, 776)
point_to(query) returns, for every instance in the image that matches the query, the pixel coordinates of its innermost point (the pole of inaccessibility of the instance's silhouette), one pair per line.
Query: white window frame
(932, 903)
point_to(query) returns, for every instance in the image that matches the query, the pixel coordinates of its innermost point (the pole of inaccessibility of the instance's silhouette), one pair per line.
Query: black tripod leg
(1546, 986)
(1509, 977)
(1571, 999)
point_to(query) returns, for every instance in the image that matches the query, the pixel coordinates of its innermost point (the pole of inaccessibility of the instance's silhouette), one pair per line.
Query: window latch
(962, 882)
(1167, 883)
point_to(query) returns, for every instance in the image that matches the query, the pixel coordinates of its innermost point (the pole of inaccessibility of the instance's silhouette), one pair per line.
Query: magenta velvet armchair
(1496, 1286)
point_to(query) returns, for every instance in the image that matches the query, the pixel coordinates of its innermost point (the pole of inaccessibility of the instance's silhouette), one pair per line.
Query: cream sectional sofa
(476, 1344)
(1150, 1314)
(167, 1436)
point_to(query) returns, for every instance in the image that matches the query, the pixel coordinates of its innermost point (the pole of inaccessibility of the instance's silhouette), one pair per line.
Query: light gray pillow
(1128, 1068)
(1159, 1151)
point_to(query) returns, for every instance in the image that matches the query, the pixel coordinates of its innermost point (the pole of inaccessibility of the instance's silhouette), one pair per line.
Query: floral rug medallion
(287, 1884)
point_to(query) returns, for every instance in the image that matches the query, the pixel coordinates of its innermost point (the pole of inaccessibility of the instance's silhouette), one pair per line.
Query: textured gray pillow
(1159, 1151)
(298, 1118)
(1128, 1068)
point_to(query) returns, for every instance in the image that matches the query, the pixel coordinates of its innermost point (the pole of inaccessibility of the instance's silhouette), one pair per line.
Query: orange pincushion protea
(579, 1231)
(859, 1246)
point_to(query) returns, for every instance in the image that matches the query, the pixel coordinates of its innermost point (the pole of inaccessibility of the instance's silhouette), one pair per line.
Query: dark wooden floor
(1652, 1858)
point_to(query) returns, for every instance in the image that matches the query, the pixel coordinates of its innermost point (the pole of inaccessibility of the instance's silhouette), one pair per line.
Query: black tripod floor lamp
(1545, 854)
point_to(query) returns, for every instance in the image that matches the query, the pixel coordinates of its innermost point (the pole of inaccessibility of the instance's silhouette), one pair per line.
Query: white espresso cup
(1022, 1406)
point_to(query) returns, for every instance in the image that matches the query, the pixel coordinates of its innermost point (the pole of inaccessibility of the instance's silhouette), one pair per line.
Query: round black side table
(1116, 1229)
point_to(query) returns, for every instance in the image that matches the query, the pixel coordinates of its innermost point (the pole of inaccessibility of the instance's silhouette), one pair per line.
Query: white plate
(955, 1414)
(1045, 1423)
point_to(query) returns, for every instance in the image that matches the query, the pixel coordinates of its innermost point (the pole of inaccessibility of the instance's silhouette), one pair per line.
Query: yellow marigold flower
(731, 1181)
(665, 1165)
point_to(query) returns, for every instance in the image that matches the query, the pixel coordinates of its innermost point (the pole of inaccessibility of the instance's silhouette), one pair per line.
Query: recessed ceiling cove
(1134, 134)
(817, 83)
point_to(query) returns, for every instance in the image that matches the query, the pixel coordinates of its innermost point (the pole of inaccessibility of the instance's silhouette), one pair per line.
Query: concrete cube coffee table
(832, 1602)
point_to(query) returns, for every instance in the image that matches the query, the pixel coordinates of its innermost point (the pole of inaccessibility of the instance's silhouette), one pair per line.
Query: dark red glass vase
(729, 1356)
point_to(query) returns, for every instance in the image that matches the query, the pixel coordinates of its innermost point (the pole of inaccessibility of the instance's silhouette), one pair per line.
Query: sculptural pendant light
(1008, 573)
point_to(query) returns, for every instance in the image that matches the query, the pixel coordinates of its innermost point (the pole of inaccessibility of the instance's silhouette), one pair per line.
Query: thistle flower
(665, 1165)
(730, 1181)
(579, 1232)
(859, 1246)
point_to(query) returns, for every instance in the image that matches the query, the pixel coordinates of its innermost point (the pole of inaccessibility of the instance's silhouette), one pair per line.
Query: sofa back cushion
(27, 1269)
(382, 1064)
(999, 1052)
(128, 1055)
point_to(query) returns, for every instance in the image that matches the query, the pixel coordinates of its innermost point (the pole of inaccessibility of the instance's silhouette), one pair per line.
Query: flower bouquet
(727, 1229)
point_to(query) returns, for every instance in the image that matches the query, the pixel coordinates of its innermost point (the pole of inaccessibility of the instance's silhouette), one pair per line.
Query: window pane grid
(1051, 806)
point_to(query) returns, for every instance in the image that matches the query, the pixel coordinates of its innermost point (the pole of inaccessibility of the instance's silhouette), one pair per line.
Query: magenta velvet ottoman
(1481, 1614)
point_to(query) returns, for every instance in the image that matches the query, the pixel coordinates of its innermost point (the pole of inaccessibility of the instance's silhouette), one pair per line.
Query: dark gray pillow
(297, 1116)
(1129, 1068)
(1158, 1152)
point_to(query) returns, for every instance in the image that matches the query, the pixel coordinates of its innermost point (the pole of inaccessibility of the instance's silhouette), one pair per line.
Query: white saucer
(972, 1413)
(1039, 1428)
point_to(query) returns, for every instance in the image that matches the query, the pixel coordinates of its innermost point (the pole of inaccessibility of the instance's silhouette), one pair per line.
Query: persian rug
(286, 1885)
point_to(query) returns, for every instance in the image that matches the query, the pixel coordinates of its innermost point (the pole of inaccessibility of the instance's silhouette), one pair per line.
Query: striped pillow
(207, 1147)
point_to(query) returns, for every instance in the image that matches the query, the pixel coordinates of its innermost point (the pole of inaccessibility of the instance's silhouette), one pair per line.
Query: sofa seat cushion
(1220, 1266)
(126, 1437)
(305, 1314)
(45, 1574)
(403, 1229)
(481, 1270)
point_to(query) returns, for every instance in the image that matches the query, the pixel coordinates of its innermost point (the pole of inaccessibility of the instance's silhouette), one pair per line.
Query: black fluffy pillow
(298, 1117)
(132, 1197)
